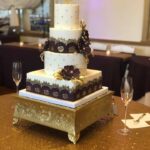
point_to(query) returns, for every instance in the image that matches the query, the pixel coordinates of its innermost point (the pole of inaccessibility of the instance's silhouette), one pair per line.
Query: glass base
(123, 131)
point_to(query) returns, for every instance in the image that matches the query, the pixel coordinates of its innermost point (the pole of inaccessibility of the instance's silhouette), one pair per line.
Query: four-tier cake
(65, 75)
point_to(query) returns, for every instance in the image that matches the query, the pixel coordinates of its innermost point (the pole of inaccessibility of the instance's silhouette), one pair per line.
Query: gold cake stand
(63, 118)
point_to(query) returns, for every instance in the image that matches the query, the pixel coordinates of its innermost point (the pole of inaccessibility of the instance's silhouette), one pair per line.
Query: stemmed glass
(17, 73)
(126, 91)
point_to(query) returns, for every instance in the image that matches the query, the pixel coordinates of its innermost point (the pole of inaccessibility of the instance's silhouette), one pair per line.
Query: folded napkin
(146, 117)
(131, 123)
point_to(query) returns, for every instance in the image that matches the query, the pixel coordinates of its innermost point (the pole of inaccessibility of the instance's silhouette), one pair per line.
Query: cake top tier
(67, 16)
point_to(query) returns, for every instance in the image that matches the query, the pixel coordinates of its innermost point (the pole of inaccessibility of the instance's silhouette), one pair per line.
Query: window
(31, 20)
(39, 19)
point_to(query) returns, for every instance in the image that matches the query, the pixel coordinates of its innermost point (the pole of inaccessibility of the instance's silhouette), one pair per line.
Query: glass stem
(125, 116)
(17, 89)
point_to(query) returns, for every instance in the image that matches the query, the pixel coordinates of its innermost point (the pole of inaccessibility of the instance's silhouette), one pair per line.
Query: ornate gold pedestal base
(62, 118)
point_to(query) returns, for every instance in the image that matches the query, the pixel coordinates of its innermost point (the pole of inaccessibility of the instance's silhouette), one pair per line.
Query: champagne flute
(126, 91)
(17, 73)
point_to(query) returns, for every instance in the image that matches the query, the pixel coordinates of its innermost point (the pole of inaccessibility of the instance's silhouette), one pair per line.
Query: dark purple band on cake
(64, 93)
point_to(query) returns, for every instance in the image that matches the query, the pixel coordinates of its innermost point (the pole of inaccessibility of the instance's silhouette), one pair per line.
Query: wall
(114, 19)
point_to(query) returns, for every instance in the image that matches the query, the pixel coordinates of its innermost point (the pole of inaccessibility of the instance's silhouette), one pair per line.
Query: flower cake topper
(68, 73)
(46, 45)
(84, 41)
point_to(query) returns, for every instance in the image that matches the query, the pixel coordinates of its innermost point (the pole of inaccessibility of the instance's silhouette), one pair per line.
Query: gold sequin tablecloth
(100, 136)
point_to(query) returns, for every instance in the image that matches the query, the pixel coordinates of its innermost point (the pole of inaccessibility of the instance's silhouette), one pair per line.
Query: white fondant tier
(41, 76)
(66, 16)
(54, 62)
(65, 103)
(65, 34)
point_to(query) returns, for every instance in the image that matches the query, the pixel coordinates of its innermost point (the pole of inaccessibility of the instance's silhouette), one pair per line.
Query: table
(4, 90)
(112, 67)
(28, 55)
(140, 71)
(96, 137)
(25, 45)
(9, 38)
(0, 70)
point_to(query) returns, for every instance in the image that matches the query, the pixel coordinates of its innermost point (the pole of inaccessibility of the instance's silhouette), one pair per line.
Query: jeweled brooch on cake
(84, 41)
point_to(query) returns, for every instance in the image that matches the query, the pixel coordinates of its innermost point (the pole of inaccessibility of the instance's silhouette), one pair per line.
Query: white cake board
(74, 104)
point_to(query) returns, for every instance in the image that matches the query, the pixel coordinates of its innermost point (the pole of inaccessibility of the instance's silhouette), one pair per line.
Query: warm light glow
(39, 45)
(21, 43)
(108, 52)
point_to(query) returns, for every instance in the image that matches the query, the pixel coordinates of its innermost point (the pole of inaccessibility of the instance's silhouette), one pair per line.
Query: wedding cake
(65, 75)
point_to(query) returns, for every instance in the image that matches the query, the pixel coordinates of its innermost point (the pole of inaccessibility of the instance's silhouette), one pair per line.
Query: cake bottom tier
(41, 83)
(71, 104)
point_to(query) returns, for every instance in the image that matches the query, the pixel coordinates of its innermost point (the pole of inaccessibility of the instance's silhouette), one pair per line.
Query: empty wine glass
(17, 73)
(126, 91)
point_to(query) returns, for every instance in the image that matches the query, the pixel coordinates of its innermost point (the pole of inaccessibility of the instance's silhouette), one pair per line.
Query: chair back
(123, 48)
